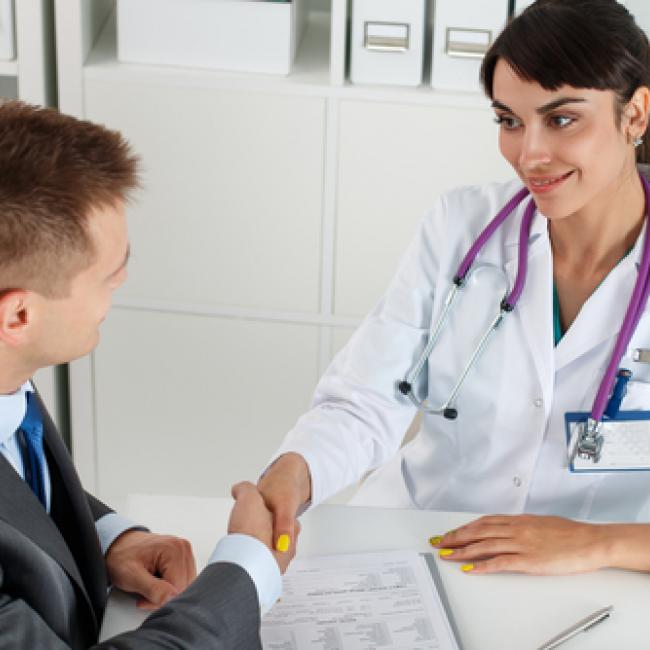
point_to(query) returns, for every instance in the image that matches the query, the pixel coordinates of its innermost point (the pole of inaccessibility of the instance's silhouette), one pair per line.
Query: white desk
(500, 612)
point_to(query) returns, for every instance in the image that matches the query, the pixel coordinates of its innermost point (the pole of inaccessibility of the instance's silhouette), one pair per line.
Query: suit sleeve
(219, 611)
(109, 524)
(97, 508)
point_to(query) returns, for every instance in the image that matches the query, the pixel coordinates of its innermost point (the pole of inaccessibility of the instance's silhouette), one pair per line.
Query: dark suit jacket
(53, 577)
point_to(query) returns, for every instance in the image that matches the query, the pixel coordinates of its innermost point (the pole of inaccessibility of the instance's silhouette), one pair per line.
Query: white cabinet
(7, 31)
(191, 404)
(31, 74)
(394, 160)
(231, 210)
(273, 214)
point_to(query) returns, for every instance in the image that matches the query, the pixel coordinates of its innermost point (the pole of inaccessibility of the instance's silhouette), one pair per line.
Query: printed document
(368, 601)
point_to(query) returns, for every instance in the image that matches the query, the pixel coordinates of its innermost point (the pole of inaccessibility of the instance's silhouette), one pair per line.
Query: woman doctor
(568, 80)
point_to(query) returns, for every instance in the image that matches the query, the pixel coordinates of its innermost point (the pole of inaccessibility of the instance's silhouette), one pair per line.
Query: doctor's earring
(637, 142)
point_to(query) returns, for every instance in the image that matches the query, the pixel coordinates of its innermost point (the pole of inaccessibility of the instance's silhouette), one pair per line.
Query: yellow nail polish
(467, 568)
(434, 541)
(283, 543)
(445, 552)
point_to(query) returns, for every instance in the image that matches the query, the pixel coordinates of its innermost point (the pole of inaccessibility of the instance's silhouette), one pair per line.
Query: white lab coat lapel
(534, 311)
(601, 317)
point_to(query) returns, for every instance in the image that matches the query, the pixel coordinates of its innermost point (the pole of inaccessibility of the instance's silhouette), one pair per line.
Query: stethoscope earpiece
(450, 413)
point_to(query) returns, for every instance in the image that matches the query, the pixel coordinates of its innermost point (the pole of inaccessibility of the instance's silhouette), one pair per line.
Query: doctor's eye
(508, 122)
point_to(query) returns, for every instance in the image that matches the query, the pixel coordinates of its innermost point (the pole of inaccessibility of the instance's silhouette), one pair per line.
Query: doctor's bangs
(581, 43)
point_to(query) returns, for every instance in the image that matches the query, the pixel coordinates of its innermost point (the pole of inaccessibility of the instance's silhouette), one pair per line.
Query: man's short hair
(55, 170)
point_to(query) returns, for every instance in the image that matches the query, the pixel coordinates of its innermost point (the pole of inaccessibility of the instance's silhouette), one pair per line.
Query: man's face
(68, 328)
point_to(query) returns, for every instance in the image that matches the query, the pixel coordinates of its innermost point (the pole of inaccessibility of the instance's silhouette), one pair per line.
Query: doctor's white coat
(506, 452)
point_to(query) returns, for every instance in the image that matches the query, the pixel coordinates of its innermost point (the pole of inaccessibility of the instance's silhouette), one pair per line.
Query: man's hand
(250, 516)
(155, 567)
(286, 488)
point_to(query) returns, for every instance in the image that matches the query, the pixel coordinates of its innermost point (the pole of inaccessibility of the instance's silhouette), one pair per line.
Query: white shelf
(9, 68)
(310, 76)
(424, 95)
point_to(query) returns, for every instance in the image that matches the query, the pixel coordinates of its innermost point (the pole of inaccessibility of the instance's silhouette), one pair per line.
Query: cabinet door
(230, 213)
(394, 160)
(189, 405)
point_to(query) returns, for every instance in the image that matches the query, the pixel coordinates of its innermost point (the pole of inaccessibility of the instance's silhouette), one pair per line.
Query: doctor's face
(564, 144)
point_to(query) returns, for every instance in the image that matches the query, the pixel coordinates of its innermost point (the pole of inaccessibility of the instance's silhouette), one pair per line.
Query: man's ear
(15, 316)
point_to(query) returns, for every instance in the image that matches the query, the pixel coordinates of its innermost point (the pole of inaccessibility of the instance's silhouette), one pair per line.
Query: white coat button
(539, 402)
(517, 481)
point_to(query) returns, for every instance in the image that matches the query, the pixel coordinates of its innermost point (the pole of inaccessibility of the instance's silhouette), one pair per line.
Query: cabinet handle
(386, 37)
(467, 43)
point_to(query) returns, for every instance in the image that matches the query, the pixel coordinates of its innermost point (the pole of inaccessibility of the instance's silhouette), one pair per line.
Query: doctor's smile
(544, 184)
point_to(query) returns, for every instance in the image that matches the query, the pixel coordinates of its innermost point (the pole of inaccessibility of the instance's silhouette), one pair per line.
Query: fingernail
(451, 532)
(434, 541)
(445, 552)
(283, 543)
(467, 568)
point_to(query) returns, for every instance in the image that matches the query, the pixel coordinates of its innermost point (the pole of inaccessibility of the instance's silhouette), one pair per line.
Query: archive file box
(463, 30)
(387, 42)
(242, 35)
(7, 38)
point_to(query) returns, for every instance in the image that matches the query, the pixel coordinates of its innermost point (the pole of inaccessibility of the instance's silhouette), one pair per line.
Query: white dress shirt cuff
(111, 526)
(257, 560)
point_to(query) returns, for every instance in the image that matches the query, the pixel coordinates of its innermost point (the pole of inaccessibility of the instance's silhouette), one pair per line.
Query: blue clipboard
(626, 446)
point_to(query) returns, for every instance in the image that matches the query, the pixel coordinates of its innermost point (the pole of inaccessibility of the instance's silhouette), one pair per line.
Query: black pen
(581, 626)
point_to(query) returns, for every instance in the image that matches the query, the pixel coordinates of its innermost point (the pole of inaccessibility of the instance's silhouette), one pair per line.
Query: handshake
(268, 512)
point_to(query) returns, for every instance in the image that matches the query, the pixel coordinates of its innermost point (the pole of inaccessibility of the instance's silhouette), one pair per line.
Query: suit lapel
(20, 508)
(71, 513)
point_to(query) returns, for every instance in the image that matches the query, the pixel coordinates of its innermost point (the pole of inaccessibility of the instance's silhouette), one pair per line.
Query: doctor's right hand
(286, 488)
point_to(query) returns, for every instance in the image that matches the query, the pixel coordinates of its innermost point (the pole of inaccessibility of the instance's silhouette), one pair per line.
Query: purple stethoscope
(589, 443)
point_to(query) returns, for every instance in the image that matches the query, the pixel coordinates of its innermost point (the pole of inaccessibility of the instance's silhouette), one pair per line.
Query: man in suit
(63, 252)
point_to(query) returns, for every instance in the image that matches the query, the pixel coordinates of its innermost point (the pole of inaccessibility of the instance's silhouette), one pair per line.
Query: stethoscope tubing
(635, 308)
(506, 305)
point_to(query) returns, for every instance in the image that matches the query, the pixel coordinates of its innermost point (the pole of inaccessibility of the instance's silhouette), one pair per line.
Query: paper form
(366, 601)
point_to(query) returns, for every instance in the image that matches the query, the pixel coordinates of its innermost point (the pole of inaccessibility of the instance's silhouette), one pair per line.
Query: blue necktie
(30, 441)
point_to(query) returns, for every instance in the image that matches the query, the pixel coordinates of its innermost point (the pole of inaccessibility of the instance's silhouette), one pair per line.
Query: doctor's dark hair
(581, 43)
(55, 170)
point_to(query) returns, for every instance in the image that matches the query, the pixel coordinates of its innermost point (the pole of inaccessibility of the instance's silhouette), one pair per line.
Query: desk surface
(499, 612)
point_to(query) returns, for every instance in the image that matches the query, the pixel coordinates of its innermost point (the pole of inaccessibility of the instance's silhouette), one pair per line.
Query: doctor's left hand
(525, 544)
(155, 567)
